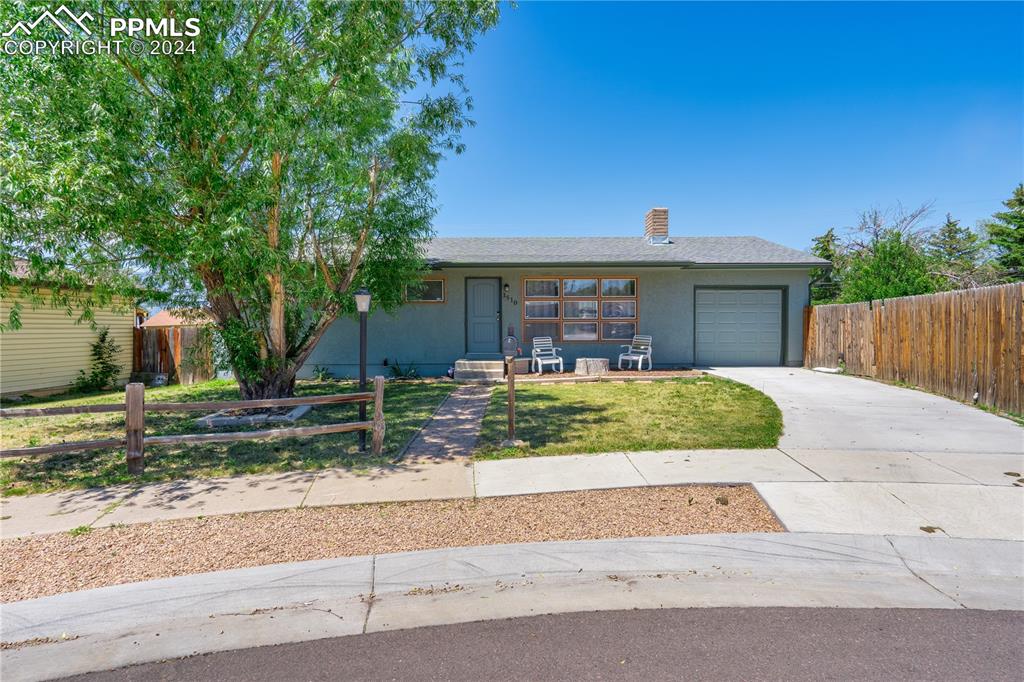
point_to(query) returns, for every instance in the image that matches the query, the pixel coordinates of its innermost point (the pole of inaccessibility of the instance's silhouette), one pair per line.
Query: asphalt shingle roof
(681, 250)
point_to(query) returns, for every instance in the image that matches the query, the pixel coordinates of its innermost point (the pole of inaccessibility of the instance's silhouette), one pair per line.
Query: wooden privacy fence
(179, 352)
(964, 344)
(135, 408)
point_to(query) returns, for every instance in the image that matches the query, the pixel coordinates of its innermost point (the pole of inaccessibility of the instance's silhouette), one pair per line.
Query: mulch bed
(612, 375)
(652, 374)
(51, 564)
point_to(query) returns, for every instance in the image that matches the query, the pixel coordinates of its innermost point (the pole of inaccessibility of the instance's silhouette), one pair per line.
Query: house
(47, 352)
(705, 300)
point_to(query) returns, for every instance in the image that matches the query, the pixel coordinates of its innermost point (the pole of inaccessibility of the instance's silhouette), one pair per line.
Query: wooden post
(511, 362)
(378, 415)
(135, 426)
(176, 355)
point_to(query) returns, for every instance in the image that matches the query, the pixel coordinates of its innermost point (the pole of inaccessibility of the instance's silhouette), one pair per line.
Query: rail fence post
(378, 415)
(135, 426)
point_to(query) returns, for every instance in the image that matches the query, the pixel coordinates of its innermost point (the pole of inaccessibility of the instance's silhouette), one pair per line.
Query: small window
(579, 331)
(580, 310)
(618, 309)
(542, 310)
(618, 287)
(542, 288)
(579, 287)
(619, 330)
(535, 329)
(430, 290)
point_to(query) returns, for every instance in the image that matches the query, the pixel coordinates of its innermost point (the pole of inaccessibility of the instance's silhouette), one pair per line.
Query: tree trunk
(280, 384)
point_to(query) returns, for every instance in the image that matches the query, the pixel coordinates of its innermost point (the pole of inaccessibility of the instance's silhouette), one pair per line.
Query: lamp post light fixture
(363, 306)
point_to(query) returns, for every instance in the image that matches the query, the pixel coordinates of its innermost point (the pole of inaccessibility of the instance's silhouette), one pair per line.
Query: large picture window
(580, 308)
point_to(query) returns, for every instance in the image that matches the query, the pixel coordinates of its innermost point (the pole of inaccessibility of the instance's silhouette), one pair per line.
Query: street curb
(123, 625)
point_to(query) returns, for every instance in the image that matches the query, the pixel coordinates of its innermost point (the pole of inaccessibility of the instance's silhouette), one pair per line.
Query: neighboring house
(46, 353)
(705, 300)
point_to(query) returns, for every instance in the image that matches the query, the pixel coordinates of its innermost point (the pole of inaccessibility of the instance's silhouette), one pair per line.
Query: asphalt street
(723, 644)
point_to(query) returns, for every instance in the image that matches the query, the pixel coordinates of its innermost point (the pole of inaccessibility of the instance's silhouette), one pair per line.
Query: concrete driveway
(831, 411)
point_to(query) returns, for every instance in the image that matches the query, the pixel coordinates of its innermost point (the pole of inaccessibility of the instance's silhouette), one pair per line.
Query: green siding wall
(432, 335)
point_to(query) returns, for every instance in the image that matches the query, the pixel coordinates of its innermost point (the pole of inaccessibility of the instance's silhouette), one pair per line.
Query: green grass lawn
(406, 406)
(692, 413)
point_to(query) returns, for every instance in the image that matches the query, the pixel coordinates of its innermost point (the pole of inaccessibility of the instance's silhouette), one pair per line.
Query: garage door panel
(738, 327)
(705, 317)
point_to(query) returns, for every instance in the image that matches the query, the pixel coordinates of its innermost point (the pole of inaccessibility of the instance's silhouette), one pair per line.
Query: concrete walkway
(957, 494)
(122, 625)
(453, 430)
(837, 412)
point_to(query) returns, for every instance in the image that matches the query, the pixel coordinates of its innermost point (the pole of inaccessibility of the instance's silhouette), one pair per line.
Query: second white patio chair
(544, 353)
(639, 350)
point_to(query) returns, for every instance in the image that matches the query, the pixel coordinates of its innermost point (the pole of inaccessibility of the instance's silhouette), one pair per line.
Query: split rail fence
(963, 344)
(135, 408)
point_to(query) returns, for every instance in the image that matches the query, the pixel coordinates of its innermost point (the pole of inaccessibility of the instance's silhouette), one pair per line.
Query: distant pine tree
(1006, 234)
(957, 256)
(826, 280)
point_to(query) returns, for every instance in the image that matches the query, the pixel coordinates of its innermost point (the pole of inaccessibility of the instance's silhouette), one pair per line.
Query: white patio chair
(639, 350)
(544, 353)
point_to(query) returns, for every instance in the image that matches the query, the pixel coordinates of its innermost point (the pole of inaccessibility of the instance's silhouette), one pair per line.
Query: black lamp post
(363, 306)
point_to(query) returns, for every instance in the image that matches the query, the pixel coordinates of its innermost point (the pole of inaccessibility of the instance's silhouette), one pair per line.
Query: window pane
(618, 330)
(532, 329)
(579, 331)
(542, 310)
(618, 309)
(580, 310)
(579, 287)
(427, 290)
(542, 288)
(618, 287)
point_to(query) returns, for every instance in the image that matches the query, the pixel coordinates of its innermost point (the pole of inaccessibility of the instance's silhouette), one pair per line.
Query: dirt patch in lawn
(51, 564)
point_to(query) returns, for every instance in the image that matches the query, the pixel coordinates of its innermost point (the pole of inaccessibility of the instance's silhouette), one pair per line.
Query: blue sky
(777, 120)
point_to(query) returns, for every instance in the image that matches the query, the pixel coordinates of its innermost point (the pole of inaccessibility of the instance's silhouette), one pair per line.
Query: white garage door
(738, 326)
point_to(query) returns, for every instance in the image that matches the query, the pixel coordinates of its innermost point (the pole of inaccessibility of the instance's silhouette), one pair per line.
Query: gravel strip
(52, 564)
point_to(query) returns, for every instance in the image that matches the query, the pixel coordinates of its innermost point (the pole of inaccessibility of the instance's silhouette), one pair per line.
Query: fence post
(378, 415)
(135, 426)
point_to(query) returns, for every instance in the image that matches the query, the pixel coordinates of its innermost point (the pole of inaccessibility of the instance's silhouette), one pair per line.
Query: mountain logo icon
(69, 17)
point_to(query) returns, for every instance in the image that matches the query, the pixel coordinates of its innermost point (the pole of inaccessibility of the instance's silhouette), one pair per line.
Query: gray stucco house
(705, 300)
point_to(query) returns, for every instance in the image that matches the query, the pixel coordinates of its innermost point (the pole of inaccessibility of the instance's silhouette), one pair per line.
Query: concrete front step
(493, 365)
(487, 370)
(478, 375)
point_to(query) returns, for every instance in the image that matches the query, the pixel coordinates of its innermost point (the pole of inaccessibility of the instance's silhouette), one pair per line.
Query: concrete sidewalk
(958, 494)
(122, 625)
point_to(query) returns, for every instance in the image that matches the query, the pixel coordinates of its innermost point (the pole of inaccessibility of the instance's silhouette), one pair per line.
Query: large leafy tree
(286, 162)
(891, 265)
(882, 257)
(1006, 233)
